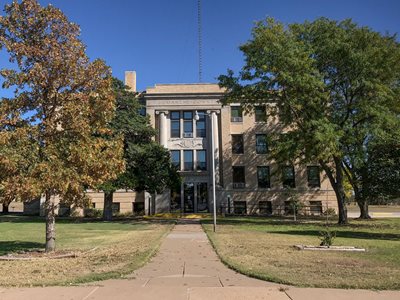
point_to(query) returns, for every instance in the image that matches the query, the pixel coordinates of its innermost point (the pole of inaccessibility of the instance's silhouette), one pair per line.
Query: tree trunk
(107, 211)
(341, 206)
(337, 185)
(50, 223)
(5, 208)
(363, 205)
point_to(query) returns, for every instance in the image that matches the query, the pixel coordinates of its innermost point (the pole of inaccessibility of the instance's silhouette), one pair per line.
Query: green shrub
(327, 236)
(93, 213)
(331, 212)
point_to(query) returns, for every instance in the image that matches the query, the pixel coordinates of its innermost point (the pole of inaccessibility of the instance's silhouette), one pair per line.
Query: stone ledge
(331, 248)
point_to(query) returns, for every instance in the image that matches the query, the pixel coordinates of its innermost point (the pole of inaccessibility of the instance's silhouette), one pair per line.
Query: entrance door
(202, 197)
(188, 197)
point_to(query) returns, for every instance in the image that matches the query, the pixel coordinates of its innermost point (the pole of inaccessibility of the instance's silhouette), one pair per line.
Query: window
(236, 114)
(201, 160)
(263, 177)
(237, 144)
(239, 207)
(201, 124)
(142, 111)
(187, 124)
(175, 124)
(313, 176)
(260, 114)
(265, 208)
(188, 160)
(138, 208)
(115, 207)
(288, 177)
(288, 208)
(176, 158)
(202, 197)
(64, 210)
(316, 207)
(239, 180)
(176, 199)
(261, 144)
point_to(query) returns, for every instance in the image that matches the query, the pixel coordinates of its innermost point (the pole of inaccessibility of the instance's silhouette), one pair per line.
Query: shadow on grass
(256, 221)
(345, 234)
(14, 246)
(304, 221)
(138, 220)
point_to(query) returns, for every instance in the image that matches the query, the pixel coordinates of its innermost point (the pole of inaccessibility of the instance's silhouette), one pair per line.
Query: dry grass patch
(264, 249)
(105, 250)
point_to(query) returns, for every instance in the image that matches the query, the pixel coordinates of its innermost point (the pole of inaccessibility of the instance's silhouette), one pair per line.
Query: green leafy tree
(381, 176)
(54, 135)
(332, 85)
(148, 165)
(136, 131)
(152, 167)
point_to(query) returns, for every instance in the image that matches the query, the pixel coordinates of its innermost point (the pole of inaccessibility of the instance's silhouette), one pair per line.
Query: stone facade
(247, 178)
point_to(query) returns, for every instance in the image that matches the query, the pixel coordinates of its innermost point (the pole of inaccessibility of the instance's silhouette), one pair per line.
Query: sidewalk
(187, 267)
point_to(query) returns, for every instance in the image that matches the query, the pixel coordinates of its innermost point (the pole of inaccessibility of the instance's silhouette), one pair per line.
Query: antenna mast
(199, 39)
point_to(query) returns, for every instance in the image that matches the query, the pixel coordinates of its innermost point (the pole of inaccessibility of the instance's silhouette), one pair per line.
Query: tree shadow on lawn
(301, 222)
(15, 246)
(344, 234)
(252, 221)
(79, 220)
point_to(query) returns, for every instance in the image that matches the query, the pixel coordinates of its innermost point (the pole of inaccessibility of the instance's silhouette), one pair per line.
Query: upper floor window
(175, 124)
(201, 160)
(176, 158)
(188, 160)
(313, 177)
(288, 177)
(142, 111)
(236, 114)
(187, 124)
(260, 114)
(237, 144)
(201, 124)
(261, 144)
(263, 177)
(239, 179)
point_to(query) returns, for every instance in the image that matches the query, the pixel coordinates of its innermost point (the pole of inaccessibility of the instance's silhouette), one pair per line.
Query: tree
(136, 130)
(382, 173)
(60, 111)
(332, 84)
(151, 164)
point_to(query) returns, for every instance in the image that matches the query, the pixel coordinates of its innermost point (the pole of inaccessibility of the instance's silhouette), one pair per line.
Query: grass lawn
(105, 249)
(263, 248)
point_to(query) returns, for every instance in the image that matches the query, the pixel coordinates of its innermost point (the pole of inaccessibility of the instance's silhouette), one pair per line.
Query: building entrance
(195, 197)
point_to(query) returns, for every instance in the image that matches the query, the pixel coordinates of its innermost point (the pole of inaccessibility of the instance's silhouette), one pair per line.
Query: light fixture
(196, 116)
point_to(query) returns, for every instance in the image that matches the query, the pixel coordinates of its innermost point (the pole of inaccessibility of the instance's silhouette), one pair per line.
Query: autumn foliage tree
(54, 137)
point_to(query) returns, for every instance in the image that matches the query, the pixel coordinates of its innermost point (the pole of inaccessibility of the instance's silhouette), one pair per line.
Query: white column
(215, 133)
(163, 129)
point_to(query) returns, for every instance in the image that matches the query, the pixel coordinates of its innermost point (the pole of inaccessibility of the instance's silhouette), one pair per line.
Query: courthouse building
(188, 117)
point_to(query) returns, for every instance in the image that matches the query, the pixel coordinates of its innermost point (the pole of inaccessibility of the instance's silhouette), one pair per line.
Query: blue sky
(158, 38)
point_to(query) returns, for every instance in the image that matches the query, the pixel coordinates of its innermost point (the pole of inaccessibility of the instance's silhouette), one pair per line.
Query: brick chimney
(130, 80)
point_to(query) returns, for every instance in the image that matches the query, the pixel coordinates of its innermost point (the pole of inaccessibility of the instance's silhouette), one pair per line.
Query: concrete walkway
(187, 267)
